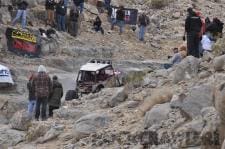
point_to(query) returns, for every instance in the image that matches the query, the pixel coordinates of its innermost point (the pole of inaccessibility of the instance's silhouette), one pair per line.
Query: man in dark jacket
(50, 7)
(56, 95)
(98, 25)
(74, 21)
(31, 96)
(193, 26)
(61, 11)
(120, 19)
(43, 86)
(143, 21)
(22, 12)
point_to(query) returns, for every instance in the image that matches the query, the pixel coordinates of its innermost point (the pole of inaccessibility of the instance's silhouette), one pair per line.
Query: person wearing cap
(55, 96)
(42, 85)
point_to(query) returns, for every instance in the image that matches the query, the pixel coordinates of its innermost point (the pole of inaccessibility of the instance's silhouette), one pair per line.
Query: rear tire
(71, 94)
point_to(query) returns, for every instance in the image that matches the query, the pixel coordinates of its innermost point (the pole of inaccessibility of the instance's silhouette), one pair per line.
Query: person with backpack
(143, 22)
(43, 86)
(50, 7)
(193, 25)
(55, 96)
(31, 96)
(61, 11)
(98, 25)
(21, 13)
(74, 21)
(120, 19)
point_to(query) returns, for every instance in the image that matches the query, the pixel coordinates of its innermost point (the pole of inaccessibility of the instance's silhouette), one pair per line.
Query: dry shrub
(158, 96)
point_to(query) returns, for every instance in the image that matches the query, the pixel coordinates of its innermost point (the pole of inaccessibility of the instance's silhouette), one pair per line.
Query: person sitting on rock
(179, 54)
(98, 25)
(21, 13)
(55, 96)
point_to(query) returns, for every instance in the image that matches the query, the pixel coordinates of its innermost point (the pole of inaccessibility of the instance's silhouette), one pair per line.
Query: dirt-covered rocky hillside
(181, 107)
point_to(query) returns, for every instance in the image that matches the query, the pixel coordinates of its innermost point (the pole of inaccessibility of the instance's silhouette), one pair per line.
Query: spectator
(98, 25)
(193, 25)
(31, 96)
(107, 4)
(207, 42)
(42, 86)
(56, 95)
(120, 16)
(22, 12)
(50, 6)
(76, 3)
(74, 21)
(61, 15)
(143, 21)
(179, 54)
(81, 6)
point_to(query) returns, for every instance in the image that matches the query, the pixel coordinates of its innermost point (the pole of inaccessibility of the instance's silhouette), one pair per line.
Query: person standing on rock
(193, 25)
(50, 7)
(55, 96)
(74, 21)
(43, 86)
(61, 11)
(143, 22)
(120, 19)
(31, 98)
(21, 13)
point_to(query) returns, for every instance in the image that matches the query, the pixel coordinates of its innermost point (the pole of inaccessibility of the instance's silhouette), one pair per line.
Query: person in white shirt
(206, 42)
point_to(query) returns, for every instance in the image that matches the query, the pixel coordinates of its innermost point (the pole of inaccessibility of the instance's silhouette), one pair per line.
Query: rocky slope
(159, 109)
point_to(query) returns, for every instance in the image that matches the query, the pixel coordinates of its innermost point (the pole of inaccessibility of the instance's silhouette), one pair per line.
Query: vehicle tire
(71, 94)
(98, 89)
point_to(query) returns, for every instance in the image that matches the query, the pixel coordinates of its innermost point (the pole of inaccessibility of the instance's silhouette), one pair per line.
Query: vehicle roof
(93, 66)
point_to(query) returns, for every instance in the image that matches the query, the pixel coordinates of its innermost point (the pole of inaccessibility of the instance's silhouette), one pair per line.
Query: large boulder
(20, 121)
(189, 134)
(10, 106)
(9, 137)
(68, 113)
(89, 124)
(157, 114)
(119, 96)
(198, 98)
(187, 69)
(210, 133)
(218, 63)
(51, 134)
(37, 130)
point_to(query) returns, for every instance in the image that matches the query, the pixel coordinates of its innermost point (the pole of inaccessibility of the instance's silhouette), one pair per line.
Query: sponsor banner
(23, 43)
(5, 75)
(130, 15)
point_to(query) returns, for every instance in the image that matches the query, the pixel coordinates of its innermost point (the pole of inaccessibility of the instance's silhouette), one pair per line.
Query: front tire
(71, 94)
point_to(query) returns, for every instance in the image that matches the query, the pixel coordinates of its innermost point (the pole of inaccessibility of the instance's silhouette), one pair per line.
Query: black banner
(130, 15)
(22, 43)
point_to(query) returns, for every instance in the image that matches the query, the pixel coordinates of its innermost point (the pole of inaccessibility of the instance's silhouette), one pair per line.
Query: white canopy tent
(5, 76)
